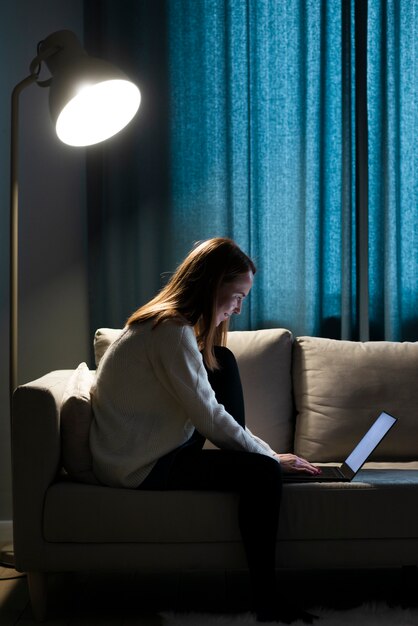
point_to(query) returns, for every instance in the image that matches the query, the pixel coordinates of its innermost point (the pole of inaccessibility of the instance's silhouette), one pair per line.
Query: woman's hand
(291, 463)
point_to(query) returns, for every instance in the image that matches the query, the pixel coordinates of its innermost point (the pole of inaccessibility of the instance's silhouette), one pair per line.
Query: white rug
(366, 615)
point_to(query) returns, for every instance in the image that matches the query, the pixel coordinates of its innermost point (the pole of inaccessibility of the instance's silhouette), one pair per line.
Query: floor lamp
(90, 100)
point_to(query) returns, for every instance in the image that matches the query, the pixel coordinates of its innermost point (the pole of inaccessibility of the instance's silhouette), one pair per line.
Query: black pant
(255, 477)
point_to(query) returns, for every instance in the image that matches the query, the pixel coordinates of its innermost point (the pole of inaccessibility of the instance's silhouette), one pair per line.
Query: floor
(133, 600)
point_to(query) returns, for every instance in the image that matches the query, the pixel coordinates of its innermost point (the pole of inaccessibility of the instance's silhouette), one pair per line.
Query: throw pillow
(340, 387)
(76, 416)
(103, 338)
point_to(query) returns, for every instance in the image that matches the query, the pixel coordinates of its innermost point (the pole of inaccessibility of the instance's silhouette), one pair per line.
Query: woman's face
(231, 295)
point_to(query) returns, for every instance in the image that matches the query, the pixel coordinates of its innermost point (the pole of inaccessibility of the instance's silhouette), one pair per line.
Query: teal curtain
(392, 96)
(288, 125)
(263, 150)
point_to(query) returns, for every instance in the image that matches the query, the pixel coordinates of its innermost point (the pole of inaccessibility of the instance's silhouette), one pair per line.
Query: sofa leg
(37, 583)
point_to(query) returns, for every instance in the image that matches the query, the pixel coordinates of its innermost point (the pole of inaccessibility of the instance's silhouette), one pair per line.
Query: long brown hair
(191, 294)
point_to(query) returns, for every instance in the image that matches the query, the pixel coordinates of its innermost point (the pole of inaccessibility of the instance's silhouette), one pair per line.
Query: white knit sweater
(151, 392)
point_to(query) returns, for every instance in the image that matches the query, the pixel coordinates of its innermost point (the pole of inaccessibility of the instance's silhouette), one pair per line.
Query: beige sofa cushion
(103, 337)
(264, 360)
(80, 513)
(76, 416)
(340, 387)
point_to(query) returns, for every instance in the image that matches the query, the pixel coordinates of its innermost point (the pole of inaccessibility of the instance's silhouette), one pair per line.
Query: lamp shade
(90, 99)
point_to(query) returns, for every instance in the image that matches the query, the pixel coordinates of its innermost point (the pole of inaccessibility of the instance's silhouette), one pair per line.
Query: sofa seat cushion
(381, 503)
(96, 514)
(340, 387)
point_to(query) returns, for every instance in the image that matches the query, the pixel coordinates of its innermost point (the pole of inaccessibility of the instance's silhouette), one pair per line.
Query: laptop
(355, 460)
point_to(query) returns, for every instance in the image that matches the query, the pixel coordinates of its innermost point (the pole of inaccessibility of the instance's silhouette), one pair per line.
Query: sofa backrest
(264, 359)
(340, 387)
(334, 388)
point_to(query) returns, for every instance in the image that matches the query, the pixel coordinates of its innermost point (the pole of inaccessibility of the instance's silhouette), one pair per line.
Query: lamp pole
(7, 554)
(14, 233)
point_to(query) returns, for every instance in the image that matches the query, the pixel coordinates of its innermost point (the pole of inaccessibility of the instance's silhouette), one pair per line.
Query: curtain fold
(127, 176)
(261, 127)
(392, 95)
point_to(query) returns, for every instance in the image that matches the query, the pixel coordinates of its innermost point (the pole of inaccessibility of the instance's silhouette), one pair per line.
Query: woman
(168, 383)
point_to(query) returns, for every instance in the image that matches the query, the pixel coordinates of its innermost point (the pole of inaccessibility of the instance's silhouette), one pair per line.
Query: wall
(53, 316)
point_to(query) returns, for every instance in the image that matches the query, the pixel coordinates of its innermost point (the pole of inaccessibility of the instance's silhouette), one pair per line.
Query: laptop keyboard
(331, 471)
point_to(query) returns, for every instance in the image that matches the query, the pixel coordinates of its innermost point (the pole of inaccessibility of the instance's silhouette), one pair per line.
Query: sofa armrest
(36, 452)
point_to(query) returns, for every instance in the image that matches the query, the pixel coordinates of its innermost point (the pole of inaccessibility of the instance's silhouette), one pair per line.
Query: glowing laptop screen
(369, 442)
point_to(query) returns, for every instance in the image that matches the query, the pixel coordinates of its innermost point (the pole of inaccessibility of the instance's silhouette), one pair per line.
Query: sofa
(309, 395)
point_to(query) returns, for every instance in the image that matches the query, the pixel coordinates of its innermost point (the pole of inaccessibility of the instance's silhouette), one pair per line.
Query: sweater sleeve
(184, 375)
(265, 445)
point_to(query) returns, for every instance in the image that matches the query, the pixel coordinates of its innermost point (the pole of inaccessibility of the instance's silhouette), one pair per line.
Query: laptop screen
(370, 440)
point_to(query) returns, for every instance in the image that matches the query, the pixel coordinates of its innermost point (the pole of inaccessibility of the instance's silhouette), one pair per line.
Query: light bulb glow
(97, 112)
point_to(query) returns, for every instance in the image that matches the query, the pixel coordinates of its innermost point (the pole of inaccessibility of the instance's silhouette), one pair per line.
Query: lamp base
(7, 555)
